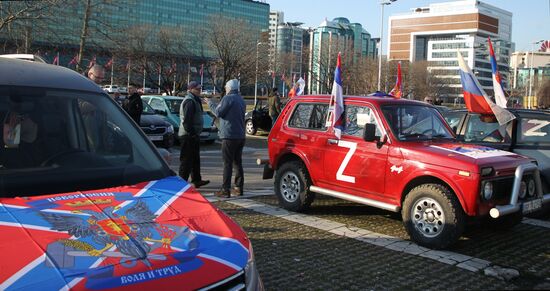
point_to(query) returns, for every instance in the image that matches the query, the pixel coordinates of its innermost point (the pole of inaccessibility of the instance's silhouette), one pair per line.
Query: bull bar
(514, 206)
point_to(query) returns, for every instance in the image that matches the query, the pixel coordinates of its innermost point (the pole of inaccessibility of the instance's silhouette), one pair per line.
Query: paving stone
(501, 273)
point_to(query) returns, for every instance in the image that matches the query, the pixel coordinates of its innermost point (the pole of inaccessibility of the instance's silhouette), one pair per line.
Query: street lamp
(256, 83)
(531, 73)
(382, 3)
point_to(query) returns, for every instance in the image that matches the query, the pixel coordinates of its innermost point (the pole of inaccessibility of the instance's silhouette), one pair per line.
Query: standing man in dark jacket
(274, 103)
(230, 111)
(189, 134)
(134, 106)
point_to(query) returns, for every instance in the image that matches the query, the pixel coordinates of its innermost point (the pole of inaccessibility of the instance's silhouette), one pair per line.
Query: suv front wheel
(433, 216)
(292, 186)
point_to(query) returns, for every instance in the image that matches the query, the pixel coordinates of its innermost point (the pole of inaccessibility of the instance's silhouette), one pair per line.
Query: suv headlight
(531, 187)
(252, 277)
(487, 190)
(522, 189)
(170, 129)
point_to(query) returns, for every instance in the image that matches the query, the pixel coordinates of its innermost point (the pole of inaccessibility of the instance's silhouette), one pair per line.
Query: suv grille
(156, 130)
(235, 282)
(503, 189)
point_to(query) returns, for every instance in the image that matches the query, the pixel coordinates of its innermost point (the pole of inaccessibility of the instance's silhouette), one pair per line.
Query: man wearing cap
(230, 111)
(189, 134)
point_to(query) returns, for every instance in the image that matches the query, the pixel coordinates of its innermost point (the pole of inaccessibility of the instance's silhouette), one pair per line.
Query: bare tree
(234, 43)
(543, 94)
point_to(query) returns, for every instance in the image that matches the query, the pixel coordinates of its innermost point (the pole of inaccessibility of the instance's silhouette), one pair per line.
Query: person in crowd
(134, 104)
(230, 110)
(429, 100)
(96, 74)
(274, 103)
(189, 134)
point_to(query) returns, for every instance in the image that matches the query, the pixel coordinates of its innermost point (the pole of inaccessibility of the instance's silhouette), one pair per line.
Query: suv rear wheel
(432, 215)
(292, 186)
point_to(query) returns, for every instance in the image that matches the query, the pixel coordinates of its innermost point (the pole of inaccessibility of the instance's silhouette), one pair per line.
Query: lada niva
(87, 203)
(398, 155)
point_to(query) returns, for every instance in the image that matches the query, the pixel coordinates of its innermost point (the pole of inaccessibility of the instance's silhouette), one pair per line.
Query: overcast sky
(530, 20)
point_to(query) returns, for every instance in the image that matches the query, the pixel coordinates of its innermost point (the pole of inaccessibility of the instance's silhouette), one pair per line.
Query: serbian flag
(500, 98)
(475, 97)
(397, 91)
(337, 100)
(74, 60)
(301, 86)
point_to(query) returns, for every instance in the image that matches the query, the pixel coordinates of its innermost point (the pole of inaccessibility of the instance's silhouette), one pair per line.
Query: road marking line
(389, 242)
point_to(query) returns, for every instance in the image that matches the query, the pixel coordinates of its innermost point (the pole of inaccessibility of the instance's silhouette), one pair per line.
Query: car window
(533, 130)
(157, 104)
(69, 141)
(356, 118)
(174, 105)
(414, 122)
(453, 119)
(485, 129)
(309, 116)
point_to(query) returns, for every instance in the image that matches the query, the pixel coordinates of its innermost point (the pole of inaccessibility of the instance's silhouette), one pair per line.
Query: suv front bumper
(528, 206)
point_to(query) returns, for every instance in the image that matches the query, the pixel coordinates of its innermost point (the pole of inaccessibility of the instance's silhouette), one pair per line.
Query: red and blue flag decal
(337, 100)
(152, 235)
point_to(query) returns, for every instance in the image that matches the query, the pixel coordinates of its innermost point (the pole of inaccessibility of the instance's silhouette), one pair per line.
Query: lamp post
(531, 73)
(256, 83)
(382, 3)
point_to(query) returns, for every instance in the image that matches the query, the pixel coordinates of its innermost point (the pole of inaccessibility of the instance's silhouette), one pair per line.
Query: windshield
(63, 141)
(147, 109)
(174, 105)
(415, 122)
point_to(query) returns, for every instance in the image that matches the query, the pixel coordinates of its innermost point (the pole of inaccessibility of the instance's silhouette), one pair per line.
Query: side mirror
(369, 132)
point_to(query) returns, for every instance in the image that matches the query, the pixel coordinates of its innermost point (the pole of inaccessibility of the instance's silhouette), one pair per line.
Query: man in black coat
(134, 105)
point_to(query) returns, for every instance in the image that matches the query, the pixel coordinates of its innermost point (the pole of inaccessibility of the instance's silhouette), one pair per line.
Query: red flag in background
(56, 60)
(109, 64)
(74, 60)
(92, 63)
(397, 91)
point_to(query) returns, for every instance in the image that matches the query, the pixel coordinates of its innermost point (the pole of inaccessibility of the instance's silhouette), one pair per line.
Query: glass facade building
(331, 37)
(111, 22)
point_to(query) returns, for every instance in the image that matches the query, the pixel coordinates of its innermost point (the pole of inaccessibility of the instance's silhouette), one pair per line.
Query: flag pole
(188, 71)
(159, 80)
(144, 71)
(129, 66)
(112, 69)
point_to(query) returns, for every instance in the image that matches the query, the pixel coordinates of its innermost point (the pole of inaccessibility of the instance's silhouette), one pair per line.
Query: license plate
(155, 137)
(531, 206)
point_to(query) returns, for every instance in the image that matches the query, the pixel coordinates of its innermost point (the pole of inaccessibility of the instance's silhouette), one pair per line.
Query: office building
(436, 32)
(329, 38)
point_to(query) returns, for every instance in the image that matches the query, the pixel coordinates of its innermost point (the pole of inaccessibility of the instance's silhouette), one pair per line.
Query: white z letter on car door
(352, 146)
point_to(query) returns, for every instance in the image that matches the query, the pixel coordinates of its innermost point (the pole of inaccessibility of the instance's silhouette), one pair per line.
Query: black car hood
(152, 119)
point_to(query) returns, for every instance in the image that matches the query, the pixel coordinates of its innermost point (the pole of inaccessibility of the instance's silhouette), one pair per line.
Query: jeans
(190, 159)
(232, 152)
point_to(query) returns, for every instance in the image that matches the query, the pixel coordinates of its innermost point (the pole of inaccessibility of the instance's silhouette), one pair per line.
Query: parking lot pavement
(343, 245)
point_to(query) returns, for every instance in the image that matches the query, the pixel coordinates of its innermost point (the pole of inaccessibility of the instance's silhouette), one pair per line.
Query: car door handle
(332, 141)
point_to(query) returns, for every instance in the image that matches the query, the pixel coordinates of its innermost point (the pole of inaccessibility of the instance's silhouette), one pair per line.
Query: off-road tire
(292, 183)
(250, 128)
(438, 218)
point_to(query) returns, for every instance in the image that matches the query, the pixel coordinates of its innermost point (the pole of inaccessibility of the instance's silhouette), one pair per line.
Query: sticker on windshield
(473, 151)
(534, 127)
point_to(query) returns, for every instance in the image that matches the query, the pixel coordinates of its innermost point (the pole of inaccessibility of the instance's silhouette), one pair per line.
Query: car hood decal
(150, 235)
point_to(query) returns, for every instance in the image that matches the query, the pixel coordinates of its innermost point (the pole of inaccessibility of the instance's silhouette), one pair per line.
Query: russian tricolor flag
(497, 81)
(337, 100)
(475, 97)
(397, 91)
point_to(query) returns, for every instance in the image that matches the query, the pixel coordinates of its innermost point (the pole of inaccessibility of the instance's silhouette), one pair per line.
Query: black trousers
(190, 159)
(232, 152)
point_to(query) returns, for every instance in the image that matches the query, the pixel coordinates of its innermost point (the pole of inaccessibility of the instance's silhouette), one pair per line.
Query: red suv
(398, 155)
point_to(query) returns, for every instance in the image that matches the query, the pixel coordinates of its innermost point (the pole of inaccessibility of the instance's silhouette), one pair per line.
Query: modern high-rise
(289, 46)
(329, 38)
(435, 34)
(275, 19)
(529, 70)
